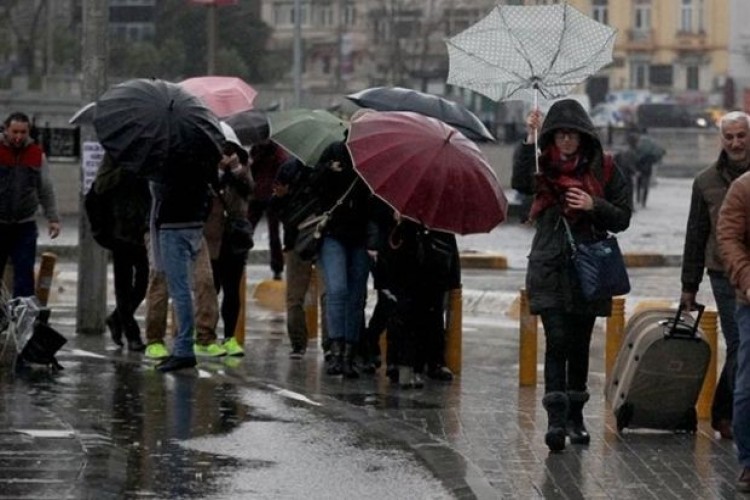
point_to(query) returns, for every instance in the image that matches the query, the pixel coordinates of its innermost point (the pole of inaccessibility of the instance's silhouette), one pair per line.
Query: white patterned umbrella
(516, 51)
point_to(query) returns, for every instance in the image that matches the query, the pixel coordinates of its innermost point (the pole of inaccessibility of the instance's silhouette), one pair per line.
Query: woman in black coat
(576, 182)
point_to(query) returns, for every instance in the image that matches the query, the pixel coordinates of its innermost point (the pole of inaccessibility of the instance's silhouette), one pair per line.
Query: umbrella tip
(451, 132)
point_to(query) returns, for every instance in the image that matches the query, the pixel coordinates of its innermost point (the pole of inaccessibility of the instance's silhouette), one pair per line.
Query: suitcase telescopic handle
(673, 330)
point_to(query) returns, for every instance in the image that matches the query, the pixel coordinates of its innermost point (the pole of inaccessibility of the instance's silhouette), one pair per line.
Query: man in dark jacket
(701, 253)
(25, 184)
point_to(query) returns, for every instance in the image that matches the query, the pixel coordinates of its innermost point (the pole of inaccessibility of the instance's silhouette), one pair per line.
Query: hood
(567, 113)
(230, 136)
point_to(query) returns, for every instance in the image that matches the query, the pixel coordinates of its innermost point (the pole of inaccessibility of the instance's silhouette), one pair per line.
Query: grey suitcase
(659, 371)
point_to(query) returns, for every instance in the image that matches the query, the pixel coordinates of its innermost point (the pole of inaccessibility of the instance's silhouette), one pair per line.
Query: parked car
(669, 115)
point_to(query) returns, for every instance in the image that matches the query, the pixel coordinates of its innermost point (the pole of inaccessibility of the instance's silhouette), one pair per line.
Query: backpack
(100, 215)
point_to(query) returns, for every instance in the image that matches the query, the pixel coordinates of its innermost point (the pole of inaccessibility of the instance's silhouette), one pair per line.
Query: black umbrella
(145, 124)
(251, 126)
(401, 99)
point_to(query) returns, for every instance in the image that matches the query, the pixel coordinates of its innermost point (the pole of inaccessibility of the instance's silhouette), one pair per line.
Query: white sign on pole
(92, 156)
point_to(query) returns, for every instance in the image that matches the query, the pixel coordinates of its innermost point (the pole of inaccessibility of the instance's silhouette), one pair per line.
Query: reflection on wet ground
(264, 426)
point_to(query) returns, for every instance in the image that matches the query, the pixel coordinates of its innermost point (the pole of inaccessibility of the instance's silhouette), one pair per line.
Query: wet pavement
(265, 426)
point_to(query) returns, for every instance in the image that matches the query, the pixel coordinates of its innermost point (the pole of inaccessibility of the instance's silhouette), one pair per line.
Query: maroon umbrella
(427, 171)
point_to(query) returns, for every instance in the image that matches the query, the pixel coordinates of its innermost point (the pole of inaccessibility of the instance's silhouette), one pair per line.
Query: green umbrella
(305, 133)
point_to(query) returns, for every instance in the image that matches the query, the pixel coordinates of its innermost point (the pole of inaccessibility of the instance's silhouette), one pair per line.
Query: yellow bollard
(311, 305)
(709, 326)
(239, 329)
(527, 352)
(44, 277)
(454, 332)
(615, 333)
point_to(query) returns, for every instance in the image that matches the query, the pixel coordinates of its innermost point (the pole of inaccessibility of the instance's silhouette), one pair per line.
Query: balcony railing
(641, 39)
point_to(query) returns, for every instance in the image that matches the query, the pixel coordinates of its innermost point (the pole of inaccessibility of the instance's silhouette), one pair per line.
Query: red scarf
(557, 175)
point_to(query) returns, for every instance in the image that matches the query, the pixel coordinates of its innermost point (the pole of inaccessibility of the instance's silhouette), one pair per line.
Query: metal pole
(297, 53)
(92, 259)
(211, 37)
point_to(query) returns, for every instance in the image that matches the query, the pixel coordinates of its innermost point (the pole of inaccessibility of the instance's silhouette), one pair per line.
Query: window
(283, 13)
(692, 74)
(686, 16)
(324, 15)
(639, 74)
(642, 15)
(350, 14)
(600, 11)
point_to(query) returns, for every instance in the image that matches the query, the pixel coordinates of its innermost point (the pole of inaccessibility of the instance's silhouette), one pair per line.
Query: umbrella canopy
(224, 95)
(427, 171)
(144, 124)
(251, 126)
(85, 115)
(305, 133)
(516, 49)
(401, 99)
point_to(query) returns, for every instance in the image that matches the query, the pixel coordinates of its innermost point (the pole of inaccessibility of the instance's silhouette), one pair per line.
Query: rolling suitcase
(659, 371)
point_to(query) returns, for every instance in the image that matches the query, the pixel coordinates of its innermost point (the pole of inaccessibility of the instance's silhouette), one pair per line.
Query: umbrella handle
(536, 131)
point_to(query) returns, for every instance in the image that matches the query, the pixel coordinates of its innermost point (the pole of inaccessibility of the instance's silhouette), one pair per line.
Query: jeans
(724, 295)
(179, 251)
(741, 415)
(18, 242)
(206, 303)
(566, 358)
(345, 272)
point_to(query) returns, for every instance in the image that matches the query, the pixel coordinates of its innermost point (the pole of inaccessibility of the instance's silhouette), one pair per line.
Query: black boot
(335, 364)
(349, 368)
(556, 404)
(575, 427)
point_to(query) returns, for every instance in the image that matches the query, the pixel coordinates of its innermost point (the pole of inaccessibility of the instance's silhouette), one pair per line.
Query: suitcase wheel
(623, 416)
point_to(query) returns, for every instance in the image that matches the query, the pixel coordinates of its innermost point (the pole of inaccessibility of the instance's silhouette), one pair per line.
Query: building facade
(679, 47)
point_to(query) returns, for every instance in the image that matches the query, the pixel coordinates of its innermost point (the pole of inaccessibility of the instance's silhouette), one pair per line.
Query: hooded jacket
(733, 235)
(550, 278)
(25, 183)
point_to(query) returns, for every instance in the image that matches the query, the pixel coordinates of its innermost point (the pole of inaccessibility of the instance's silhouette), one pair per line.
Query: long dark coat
(550, 278)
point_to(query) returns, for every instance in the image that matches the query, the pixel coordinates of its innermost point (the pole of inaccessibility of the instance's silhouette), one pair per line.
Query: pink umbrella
(224, 95)
(427, 171)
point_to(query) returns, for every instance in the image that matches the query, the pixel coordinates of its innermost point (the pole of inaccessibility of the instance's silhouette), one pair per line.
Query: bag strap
(569, 235)
(340, 201)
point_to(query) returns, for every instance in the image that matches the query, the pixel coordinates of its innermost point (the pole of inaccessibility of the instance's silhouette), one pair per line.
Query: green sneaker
(212, 350)
(233, 347)
(157, 350)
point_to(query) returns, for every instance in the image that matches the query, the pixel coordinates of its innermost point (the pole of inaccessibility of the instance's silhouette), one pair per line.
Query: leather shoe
(724, 428)
(115, 329)
(743, 482)
(173, 363)
(136, 345)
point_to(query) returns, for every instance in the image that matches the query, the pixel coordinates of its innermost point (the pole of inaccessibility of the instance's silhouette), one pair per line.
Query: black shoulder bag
(310, 230)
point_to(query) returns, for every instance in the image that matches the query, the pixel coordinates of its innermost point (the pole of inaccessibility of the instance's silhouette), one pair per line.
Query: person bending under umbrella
(577, 182)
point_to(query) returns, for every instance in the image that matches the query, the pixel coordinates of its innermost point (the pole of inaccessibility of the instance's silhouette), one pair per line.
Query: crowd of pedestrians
(173, 237)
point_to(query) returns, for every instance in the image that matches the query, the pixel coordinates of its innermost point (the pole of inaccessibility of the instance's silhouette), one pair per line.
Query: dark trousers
(381, 313)
(723, 291)
(641, 188)
(130, 269)
(227, 270)
(417, 328)
(566, 359)
(255, 213)
(18, 243)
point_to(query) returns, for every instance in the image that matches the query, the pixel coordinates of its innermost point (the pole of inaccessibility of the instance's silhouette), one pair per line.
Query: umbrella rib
(518, 44)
